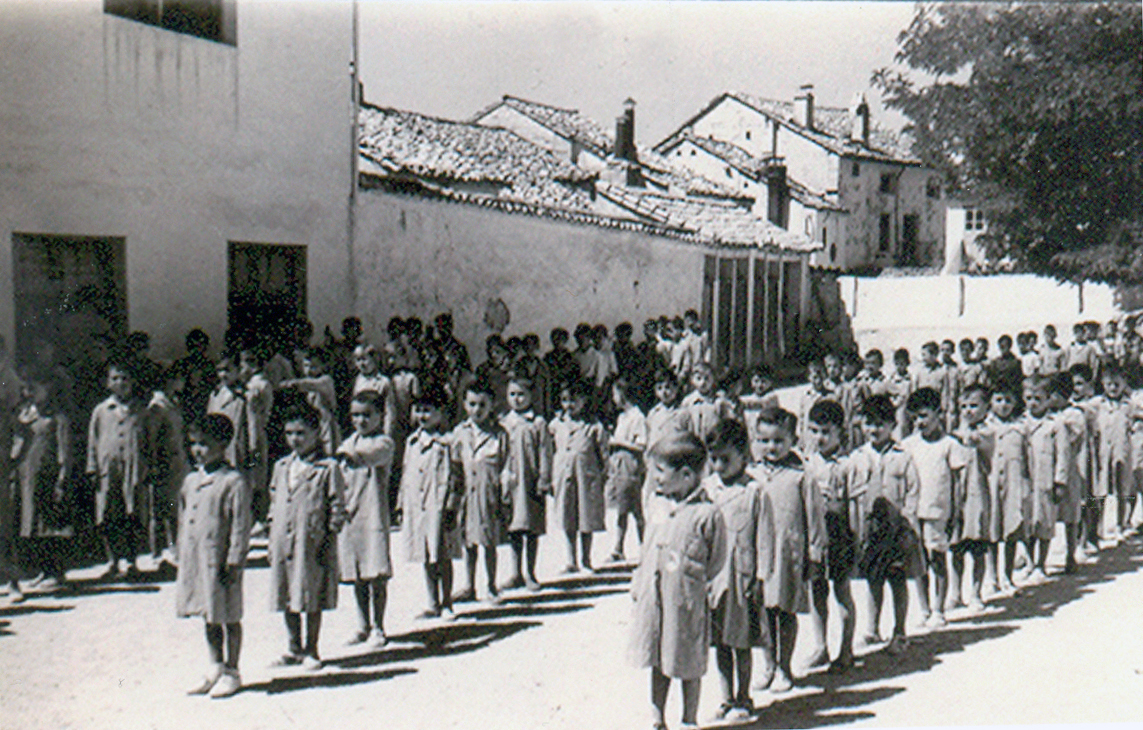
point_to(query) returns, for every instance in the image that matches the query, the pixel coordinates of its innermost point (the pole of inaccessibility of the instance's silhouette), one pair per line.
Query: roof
(831, 129)
(401, 142)
(567, 123)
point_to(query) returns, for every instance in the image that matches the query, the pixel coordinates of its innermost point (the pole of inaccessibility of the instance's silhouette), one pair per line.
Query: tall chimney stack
(625, 133)
(859, 119)
(804, 106)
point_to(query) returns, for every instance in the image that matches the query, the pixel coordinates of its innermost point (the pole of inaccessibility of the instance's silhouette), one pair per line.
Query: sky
(451, 59)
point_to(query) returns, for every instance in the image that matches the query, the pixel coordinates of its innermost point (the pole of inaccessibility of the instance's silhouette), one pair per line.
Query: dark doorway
(267, 287)
(909, 227)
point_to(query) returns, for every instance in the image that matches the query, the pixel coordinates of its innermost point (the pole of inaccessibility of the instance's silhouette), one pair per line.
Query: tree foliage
(1036, 110)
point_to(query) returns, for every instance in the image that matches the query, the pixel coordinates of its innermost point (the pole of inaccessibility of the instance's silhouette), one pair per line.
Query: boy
(900, 387)
(817, 390)
(940, 462)
(528, 479)
(227, 399)
(826, 474)
(761, 395)
(1005, 367)
(884, 484)
(1053, 358)
(706, 407)
(320, 394)
(951, 384)
(1113, 426)
(1091, 511)
(215, 533)
(1047, 470)
(671, 629)
(259, 404)
(979, 522)
(560, 365)
(970, 371)
(668, 416)
(1073, 451)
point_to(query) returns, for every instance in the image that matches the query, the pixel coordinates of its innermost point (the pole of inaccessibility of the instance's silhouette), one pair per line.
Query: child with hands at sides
(528, 478)
(1047, 470)
(213, 536)
(626, 472)
(1008, 478)
(579, 467)
(979, 526)
(684, 549)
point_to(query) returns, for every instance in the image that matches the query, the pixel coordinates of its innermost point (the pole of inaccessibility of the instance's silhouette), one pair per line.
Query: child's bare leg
(640, 520)
(660, 685)
(744, 664)
(361, 595)
(939, 564)
(1010, 561)
(585, 549)
(233, 645)
(490, 569)
(569, 536)
(532, 543)
(1070, 539)
(992, 564)
(819, 616)
(691, 689)
(979, 556)
(432, 574)
(956, 573)
(1042, 557)
(380, 590)
(787, 636)
(922, 586)
(877, 593)
(620, 533)
(214, 643)
(845, 613)
(900, 590)
(516, 539)
(313, 631)
(469, 590)
(724, 658)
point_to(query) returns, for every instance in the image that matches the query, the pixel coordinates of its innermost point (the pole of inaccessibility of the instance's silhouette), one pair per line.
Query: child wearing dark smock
(363, 543)
(307, 509)
(791, 537)
(528, 478)
(579, 465)
(735, 593)
(625, 468)
(684, 550)
(214, 535)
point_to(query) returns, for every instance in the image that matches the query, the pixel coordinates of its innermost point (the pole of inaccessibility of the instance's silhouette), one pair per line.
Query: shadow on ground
(279, 685)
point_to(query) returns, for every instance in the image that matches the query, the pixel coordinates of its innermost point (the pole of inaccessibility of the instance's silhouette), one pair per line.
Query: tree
(1037, 108)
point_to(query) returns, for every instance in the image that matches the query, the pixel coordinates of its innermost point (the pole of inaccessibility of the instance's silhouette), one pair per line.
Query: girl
(213, 538)
(363, 544)
(625, 473)
(43, 459)
(1008, 479)
(528, 478)
(320, 395)
(480, 454)
(685, 549)
(306, 511)
(577, 471)
(430, 500)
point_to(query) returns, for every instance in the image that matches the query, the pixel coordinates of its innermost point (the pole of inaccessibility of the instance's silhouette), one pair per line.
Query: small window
(833, 253)
(748, 134)
(933, 189)
(213, 20)
(809, 225)
(973, 219)
(887, 182)
(884, 232)
(692, 153)
(729, 172)
(855, 171)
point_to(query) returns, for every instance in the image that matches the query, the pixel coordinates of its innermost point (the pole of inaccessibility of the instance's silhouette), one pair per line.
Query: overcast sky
(450, 59)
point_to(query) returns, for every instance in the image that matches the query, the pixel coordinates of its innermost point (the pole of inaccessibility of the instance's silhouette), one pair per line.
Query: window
(729, 172)
(885, 232)
(888, 182)
(213, 20)
(748, 135)
(809, 225)
(855, 171)
(973, 219)
(933, 188)
(833, 253)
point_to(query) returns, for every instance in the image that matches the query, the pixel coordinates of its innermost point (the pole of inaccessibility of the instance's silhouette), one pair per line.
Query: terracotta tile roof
(567, 123)
(400, 142)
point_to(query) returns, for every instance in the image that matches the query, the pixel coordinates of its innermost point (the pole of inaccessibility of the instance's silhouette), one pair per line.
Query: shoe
(286, 660)
(447, 614)
(871, 639)
(1036, 578)
(588, 567)
(429, 613)
(840, 665)
(616, 558)
(744, 706)
(208, 681)
(516, 581)
(782, 683)
(227, 686)
(311, 663)
(937, 620)
(723, 710)
(360, 637)
(688, 726)
(532, 584)
(765, 681)
(493, 598)
(378, 639)
(569, 569)
(976, 606)
(49, 584)
(897, 645)
(466, 596)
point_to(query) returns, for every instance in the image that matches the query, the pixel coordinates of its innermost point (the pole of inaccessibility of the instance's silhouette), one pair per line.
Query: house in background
(965, 221)
(830, 172)
(171, 165)
(474, 218)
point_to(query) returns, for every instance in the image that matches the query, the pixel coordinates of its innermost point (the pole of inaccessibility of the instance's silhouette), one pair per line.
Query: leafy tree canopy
(1036, 112)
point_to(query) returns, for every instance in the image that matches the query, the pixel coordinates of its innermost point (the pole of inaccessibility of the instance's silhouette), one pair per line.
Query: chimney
(859, 119)
(778, 198)
(804, 106)
(625, 133)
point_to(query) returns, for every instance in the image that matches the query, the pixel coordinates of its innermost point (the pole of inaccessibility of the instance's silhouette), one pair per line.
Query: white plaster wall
(112, 127)
(730, 120)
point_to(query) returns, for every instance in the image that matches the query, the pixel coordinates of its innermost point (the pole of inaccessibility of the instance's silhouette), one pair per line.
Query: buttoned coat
(117, 445)
(578, 470)
(363, 543)
(214, 532)
(481, 457)
(735, 592)
(430, 488)
(306, 511)
(1113, 446)
(791, 533)
(528, 477)
(1009, 480)
(684, 548)
(976, 503)
(1047, 446)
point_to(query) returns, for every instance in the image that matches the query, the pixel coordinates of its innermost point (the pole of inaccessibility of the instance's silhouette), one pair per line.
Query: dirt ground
(115, 656)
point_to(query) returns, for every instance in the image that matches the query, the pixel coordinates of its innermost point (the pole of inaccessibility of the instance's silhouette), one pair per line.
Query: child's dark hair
(762, 370)
(370, 398)
(981, 388)
(1004, 341)
(215, 427)
(626, 388)
(966, 342)
(576, 388)
(728, 434)
(433, 395)
(876, 355)
(901, 355)
(304, 412)
(480, 386)
(879, 410)
(624, 331)
(519, 374)
(680, 450)
(1083, 370)
(922, 399)
(930, 346)
(558, 335)
(827, 413)
(666, 375)
(317, 354)
(777, 416)
(1112, 369)
(1060, 384)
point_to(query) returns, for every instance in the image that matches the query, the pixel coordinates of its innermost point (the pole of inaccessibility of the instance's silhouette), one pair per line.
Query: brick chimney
(778, 193)
(625, 133)
(859, 119)
(804, 106)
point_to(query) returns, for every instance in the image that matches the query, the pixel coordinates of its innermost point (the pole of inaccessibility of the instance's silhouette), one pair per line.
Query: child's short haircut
(215, 427)
(815, 365)
(519, 374)
(370, 398)
(966, 342)
(876, 355)
(691, 314)
(1083, 370)
(948, 343)
(1050, 328)
(432, 395)
(304, 412)
(1060, 384)
(762, 370)
(930, 346)
(1036, 383)
(728, 434)
(1010, 387)
(558, 335)
(582, 330)
(577, 388)
(480, 386)
(981, 388)
(679, 450)
(624, 330)
(493, 341)
(901, 355)
(395, 327)
(827, 413)
(123, 364)
(702, 367)
(666, 375)
(1004, 341)
(922, 399)
(531, 341)
(879, 410)
(1112, 369)
(777, 416)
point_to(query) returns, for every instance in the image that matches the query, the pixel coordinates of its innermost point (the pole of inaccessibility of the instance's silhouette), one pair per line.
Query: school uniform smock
(117, 441)
(976, 520)
(941, 470)
(706, 411)
(625, 467)
(382, 385)
(827, 477)
(790, 532)
(481, 457)
(684, 548)
(168, 459)
(1046, 467)
(1113, 467)
(579, 465)
(884, 486)
(42, 447)
(429, 488)
(363, 543)
(259, 404)
(970, 374)
(232, 404)
(214, 532)
(528, 477)
(735, 593)
(937, 378)
(306, 510)
(1009, 480)
(1073, 423)
(1052, 359)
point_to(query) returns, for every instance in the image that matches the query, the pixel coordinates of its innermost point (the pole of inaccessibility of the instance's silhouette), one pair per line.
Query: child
(626, 473)
(1073, 451)
(531, 364)
(227, 399)
(791, 537)
(848, 394)
(214, 505)
(705, 406)
(1048, 474)
(931, 374)
(977, 528)
(430, 498)
(306, 511)
(1113, 424)
(1053, 358)
(117, 440)
(900, 387)
(826, 473)
(480, 455)
(259, 405)
(363, 543)
(1091, 513)
(818, 389)
(940, 462)
(561, 366)
(970, 371)
(168, 462)
(369, 377)
(320, 395)
(578, 470)
(735, 594)
(951, 385)
(1008, 480)
(884, 482)
(528, 479)
(684, 550)
(666, 417)
(1005, 367)
(760, 396)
